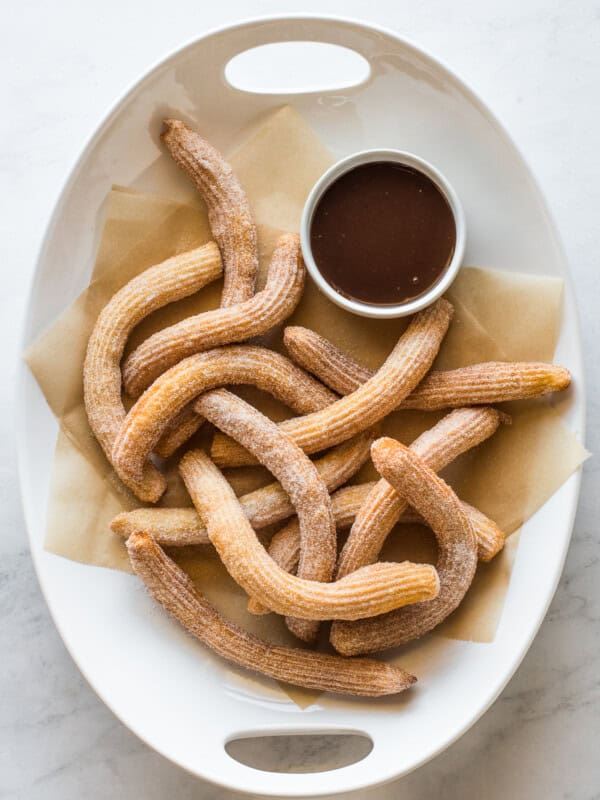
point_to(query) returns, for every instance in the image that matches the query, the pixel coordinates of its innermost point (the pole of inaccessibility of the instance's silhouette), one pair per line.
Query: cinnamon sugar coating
(181, 527)
(173, 589)
(229, 214)
(457, 554)
(157, 286)
(364, 593)
(370, 402)
(170, 395)
(479, 384)
(220, 326)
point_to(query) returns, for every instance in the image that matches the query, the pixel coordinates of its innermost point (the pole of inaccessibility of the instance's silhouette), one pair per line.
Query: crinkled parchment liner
(499, 316)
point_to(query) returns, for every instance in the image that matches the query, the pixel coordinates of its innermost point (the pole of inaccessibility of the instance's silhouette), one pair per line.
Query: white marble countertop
(537, 64)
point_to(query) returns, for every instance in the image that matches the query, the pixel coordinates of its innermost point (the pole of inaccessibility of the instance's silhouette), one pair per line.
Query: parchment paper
(498, 316)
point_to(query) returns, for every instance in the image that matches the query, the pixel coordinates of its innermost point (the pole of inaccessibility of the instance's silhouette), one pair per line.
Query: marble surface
(537, 63)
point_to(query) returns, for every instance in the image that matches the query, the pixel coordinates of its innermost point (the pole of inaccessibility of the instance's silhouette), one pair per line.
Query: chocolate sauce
(382, 233)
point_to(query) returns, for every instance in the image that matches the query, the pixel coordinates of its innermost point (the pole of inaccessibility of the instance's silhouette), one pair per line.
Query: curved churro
(228, 209)
(397, 377)
(479, 384)
(171, 393)
(233, 228)
(180, 527)
(298, 477)
(173, 589)
(284, 547)
(457, 432)
(457, 554)
(364, 593)
(164, 283)
(178, 431)
(221, 326)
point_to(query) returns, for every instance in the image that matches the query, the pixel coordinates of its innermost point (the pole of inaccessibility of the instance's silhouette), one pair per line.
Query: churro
(457, 432)
(284, 547)
(169, 527)
(366, 592)
(397, 377)
(164, 283)
(297, 476)
(178, 431)
(457, 554)
(171, 393)
(229, 214)
(176, 593)
(221, 326)
(233, 228)
(479, 384)
(180, 527)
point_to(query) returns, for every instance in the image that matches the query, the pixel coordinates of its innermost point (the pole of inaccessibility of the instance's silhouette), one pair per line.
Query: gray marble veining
(537, 63)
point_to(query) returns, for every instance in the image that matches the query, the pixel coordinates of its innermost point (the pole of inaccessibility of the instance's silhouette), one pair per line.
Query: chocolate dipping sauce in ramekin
(383, 233)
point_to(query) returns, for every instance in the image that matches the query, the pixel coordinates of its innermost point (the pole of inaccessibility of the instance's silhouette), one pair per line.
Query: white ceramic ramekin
(444, 281)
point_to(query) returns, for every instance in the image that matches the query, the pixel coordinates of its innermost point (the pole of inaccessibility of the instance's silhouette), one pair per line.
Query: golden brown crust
(364, 593)
(479, 384)
(318, 355)
(173, 589)
(284, 547)
(221, 326)
(233, 228)
(164, 283)
(228, 209)
(457, 432)
(169, 527)
(298, 477)
(171, 393)
(457, 554)
(178, 431)
(180, 527)
(490, 537)
(372, 401)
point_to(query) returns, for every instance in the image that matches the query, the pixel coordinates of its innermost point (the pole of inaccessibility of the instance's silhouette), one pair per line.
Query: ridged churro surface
(295, 472)
(178, 431)
(297, 476)
(479, 384)
(457, 432)
(171, 393)
(229, 214)
(164, 283)
(284, 547)
(232, 226)
(173, 589)
(364, 593)
(372, 401)
(180, 527)
(221, 326)
(457, 554)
